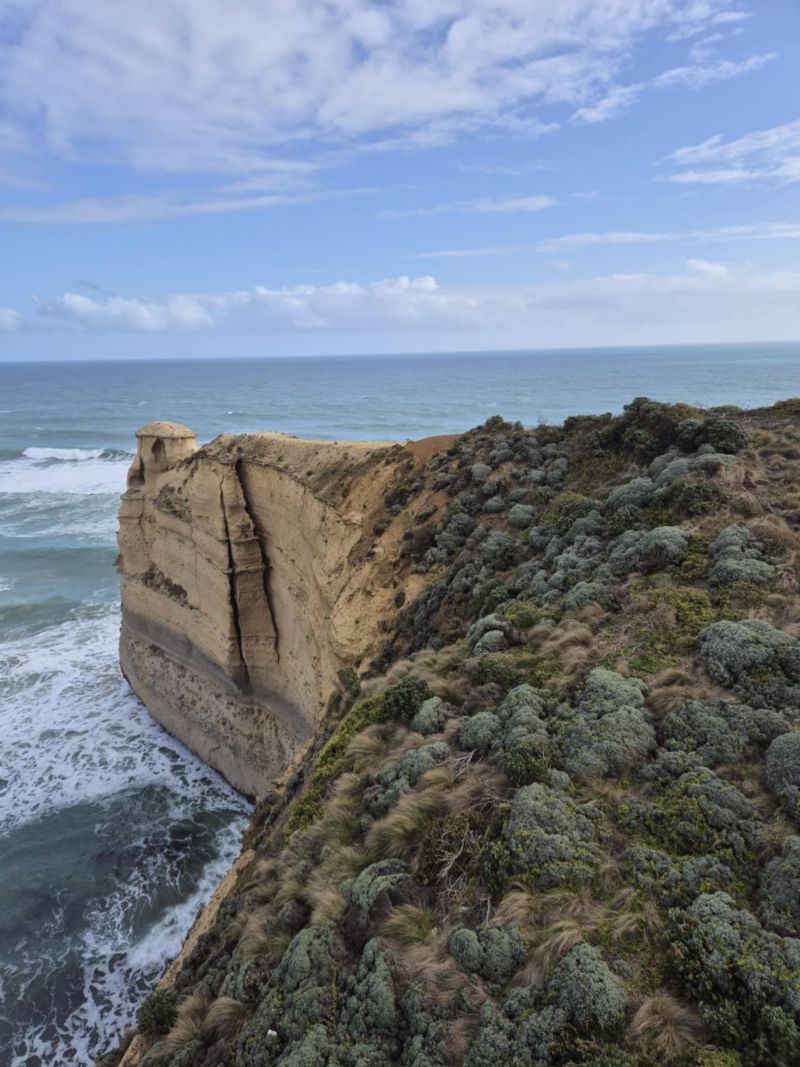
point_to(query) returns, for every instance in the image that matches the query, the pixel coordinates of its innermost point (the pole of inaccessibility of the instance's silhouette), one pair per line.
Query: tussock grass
(396, 834)
(409, 924)
(518, 906)
(666, 1026)
(225, 1017)
(368, 748)
(189, 1024)
(326, 903)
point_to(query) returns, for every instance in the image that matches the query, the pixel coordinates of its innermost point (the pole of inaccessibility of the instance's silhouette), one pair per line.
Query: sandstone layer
(252, 575)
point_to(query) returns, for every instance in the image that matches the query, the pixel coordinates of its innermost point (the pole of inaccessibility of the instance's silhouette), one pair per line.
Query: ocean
(112, 834)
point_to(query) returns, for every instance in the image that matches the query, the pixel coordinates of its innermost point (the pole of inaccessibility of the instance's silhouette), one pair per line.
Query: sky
(280, 177)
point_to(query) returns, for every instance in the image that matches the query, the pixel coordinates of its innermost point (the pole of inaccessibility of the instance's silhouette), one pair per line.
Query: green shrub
(780, 891)
(329, 762)
(551, 840)
(754, 659)
(695, 498)
(744, 979)
(525, 761)
(351, 682)
(401, 702)
(497, 670)
(524, 613)
(628, 517)
(494, 865)
(587, 992)
(565, 508)
(157, 1013)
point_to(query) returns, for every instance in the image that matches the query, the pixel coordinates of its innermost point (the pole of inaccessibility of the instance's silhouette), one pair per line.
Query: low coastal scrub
(555, 823)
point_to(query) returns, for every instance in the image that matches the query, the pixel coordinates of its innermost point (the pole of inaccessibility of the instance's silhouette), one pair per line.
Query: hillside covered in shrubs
(557, 822)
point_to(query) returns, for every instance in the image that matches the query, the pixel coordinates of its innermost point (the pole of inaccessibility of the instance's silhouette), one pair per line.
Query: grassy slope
(565, 834)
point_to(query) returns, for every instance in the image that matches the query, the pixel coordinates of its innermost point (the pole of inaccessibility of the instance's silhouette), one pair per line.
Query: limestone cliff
(251, 576)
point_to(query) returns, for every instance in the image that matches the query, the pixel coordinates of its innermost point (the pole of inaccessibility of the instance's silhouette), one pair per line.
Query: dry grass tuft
(432, 966)
(669, 688)
(326, 903)
(261, 938)
(666, 1026)
(772, 528)
(189, 1024)
(225, 1017)
(556, 941)
(367, 748)
(482, 789)
(408, 924)
(394, 836)
(569, 634)
(517, 906)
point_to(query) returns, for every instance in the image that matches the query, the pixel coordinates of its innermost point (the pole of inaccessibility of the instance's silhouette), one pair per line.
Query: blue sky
(242, 177)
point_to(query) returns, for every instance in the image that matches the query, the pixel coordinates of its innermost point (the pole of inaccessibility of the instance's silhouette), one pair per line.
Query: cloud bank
(704, 301)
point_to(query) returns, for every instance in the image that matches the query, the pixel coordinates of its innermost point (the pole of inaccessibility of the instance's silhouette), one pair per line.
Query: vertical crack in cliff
(234, 601)
(257, 533)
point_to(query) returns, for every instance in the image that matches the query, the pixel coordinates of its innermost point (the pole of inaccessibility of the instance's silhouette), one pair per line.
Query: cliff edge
(550, 815)
(252, 576)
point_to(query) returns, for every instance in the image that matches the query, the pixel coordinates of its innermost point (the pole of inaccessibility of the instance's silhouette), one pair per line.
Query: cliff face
(251, 576)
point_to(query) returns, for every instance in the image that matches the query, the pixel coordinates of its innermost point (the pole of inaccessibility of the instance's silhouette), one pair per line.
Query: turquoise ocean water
(111, 833)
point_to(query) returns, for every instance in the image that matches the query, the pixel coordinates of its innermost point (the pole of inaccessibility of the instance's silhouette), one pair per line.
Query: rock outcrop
(251, 576)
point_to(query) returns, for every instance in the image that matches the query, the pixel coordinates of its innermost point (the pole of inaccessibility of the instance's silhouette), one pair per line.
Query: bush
(587, 992)
(614, 744)
(431, 716)
(565, 508)
(157, 1013)
(724, 435)
(494, 863)
(744, 979)
(401, 702)
(525, 762)
(496, 670)
(780, 891)
(754, 659)
(498, 551)
(628, 517)
(479, 731)
(695, 498)
(492, 953)
(635, 494)
(646, 427)
(662, 547)
(783, 771)
(551, 840)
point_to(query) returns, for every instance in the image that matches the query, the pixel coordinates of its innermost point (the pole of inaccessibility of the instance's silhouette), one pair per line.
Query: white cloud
(219, 85)
(761, 231)
(484, 206)
(762, 155)
(472, 253)
(707, 269)
(708, 301)
(9, 319)
(611, 237)
(694, 76)
(121, 209)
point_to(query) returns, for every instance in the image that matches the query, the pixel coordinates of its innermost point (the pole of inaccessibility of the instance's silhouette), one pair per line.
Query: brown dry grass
(666, 1026)
(189, 1024)
(395, 835)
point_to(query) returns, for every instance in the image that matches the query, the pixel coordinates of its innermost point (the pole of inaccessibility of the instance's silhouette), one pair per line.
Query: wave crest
(41, 454)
